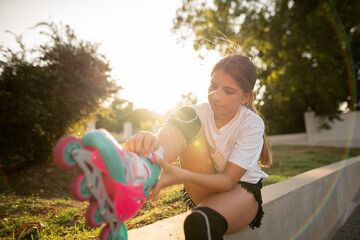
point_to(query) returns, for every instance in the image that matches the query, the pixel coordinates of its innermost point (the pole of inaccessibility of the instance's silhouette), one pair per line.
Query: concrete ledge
(167, 229)
(312, 205)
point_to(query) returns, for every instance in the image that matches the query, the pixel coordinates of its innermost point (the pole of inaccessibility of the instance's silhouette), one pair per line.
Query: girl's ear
(247, 97)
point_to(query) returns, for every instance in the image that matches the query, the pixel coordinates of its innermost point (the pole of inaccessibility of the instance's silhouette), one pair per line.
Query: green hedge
(43, 98)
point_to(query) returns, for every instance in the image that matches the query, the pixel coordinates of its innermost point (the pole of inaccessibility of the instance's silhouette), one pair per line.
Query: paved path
(351, 229)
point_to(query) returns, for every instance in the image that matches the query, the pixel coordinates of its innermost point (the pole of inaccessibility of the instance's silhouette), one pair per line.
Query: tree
(187, 99)
(45, 94)
(307, 52)
(141, 119)
(121, 111)
(114, 117)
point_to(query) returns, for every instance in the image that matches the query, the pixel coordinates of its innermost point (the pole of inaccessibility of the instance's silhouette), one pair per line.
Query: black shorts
(255, 189)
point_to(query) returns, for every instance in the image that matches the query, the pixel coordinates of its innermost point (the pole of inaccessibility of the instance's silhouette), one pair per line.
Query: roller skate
(116, 182)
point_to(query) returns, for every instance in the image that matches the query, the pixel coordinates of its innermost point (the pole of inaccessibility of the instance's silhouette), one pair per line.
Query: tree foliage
(46, 91)
(187, 99)
(115, 115)
(307, 52)
(120, 111)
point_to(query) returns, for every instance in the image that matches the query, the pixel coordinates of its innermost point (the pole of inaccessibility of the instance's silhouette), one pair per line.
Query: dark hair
(243, 71)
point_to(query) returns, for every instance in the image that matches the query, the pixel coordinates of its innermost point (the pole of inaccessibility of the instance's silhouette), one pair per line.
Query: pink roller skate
(115, 181)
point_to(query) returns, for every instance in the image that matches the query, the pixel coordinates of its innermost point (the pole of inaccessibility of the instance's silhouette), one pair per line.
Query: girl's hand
(171, 175)
(142, 143)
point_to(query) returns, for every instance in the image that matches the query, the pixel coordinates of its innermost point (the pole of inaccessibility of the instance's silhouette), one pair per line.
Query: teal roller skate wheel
(92, 216)
(106, 233)
(62, 151)
(78, 187)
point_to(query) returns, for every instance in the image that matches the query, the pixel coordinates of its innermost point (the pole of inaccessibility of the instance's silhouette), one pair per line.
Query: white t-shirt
(240, 141)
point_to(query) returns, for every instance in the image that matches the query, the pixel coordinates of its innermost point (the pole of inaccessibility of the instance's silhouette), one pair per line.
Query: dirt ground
(44, 180)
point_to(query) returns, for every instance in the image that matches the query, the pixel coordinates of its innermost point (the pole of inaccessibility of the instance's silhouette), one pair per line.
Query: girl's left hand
(171, 175)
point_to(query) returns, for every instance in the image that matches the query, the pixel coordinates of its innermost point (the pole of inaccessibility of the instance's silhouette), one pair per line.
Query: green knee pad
(187, 122)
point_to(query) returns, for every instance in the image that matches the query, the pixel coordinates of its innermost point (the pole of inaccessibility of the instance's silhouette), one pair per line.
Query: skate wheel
(62, 151)
(92, 216)
(106, 233)
(78, 187)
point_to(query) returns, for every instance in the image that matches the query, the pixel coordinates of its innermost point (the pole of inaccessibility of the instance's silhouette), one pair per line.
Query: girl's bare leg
(237, 206)
(196, 158)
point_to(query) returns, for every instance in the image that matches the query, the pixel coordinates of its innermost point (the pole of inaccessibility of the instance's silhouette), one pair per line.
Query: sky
(135, 36)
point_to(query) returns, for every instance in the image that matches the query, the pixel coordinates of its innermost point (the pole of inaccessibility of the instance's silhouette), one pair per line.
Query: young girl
(222, 146)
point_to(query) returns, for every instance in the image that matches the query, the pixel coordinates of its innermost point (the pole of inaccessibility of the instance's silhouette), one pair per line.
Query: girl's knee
(196, 156)
(205, 223)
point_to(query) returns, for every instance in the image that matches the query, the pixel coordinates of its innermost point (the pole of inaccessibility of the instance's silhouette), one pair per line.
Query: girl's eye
(229, 92)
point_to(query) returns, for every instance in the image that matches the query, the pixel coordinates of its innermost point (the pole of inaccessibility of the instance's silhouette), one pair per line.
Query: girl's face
(225, 96)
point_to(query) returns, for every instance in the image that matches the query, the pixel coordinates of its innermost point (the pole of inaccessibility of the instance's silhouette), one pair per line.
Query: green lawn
(63, 217)
(289, 161)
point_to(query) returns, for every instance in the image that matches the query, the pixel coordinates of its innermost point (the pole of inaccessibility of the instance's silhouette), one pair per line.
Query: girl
(222, 146)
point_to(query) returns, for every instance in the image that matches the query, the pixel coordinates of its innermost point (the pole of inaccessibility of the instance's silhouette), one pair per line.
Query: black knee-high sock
(204, 223)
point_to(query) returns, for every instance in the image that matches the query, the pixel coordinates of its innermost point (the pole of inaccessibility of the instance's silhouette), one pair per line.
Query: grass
(63, 218)
(293, 160)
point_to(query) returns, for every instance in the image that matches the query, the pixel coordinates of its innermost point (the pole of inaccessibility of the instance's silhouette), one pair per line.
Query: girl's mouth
(216, 105)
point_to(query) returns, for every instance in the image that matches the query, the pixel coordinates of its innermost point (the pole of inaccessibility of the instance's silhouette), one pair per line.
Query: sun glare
(152, 68)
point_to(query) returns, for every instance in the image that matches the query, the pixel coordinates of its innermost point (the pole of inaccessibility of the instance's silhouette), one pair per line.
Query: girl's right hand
(142, 143)
(171, 175)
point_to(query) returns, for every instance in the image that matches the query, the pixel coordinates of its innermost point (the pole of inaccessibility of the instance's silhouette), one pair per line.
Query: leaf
(29, 228)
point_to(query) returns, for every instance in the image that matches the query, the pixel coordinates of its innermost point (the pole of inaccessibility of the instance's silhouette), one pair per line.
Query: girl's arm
(182, 126)
(219, 182)
(168, 137)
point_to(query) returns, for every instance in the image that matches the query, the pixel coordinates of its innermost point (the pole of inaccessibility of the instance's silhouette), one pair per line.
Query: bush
(62, 85)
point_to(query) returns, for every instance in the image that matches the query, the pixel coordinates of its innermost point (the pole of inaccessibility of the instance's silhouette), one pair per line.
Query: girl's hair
(243, 71)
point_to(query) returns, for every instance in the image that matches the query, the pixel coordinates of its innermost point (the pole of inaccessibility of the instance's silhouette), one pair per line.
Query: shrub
(46, 91)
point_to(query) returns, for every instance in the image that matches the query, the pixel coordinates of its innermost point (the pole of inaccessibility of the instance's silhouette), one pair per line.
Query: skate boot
(116, 182)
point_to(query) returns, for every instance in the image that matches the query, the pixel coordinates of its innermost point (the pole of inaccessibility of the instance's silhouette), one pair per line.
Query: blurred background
(67, 66)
